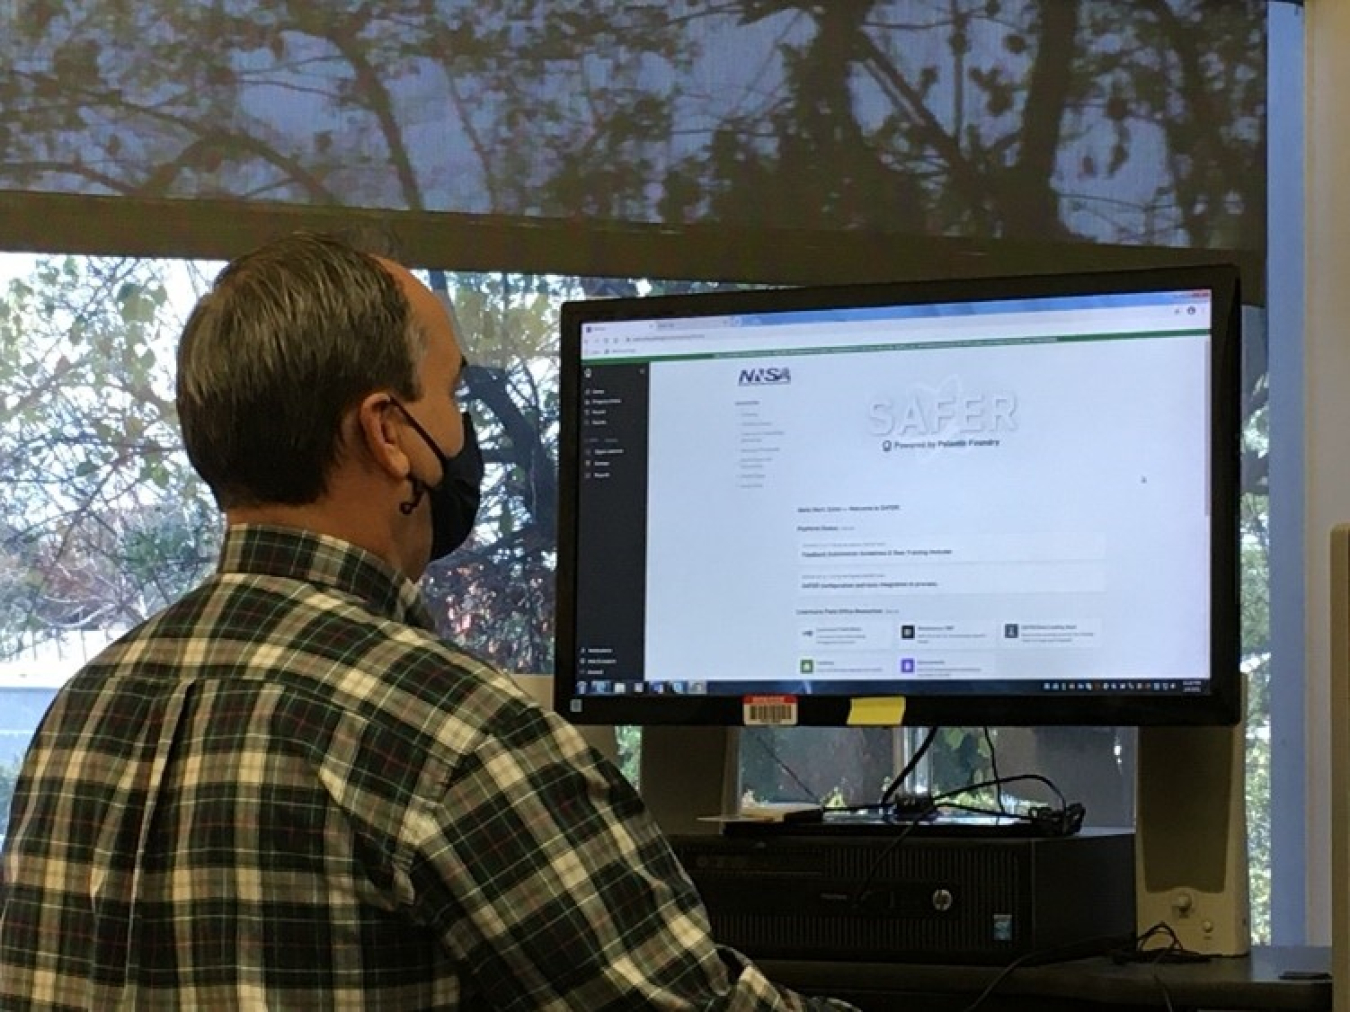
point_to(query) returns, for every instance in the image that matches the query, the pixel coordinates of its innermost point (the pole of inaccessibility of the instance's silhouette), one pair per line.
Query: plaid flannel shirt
(284, 791)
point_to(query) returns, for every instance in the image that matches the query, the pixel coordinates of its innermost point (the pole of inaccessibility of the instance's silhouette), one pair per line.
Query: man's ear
(377, 429)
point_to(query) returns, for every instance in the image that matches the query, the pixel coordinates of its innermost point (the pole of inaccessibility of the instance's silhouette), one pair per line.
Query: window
(106, 522)
(776, 143)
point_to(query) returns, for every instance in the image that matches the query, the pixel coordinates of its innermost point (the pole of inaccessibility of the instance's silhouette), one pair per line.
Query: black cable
(943, 799)
(999, 978)
(1166, 993)
(1065, 820)
(993, 813)
(860, 894)
(933, 804)
(993, 768)
(1047, 954)
(1173, 952)
(886, 795)
(1014, 779)
(1050, 821)
(772, 754)
(1079, 948)
(909, 767)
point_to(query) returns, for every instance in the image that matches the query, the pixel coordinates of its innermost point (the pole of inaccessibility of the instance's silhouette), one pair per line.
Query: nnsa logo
(765, 375)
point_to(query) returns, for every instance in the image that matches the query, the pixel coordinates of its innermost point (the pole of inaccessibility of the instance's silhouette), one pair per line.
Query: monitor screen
(975, 501)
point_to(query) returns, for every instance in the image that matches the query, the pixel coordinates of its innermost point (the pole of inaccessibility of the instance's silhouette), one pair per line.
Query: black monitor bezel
(1220, 706)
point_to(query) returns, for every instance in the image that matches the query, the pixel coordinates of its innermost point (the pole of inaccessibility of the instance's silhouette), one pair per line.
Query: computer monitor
(988, 501)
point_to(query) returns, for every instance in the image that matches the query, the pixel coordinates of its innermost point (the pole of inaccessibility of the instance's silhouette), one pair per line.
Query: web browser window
(906, 497)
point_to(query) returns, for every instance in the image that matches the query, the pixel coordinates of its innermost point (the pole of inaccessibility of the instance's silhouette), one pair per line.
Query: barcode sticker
(769, 711)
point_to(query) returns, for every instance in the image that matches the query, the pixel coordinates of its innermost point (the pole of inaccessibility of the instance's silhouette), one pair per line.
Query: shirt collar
(326, 562)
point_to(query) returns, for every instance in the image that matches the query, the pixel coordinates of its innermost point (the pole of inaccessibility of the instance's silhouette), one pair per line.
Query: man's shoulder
(313, 641)
(329, 654)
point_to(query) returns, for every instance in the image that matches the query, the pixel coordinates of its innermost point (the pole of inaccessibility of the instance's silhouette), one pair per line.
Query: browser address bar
(700, 338)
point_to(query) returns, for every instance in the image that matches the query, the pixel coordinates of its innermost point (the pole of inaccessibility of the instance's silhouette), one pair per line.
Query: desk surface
(1252, 982)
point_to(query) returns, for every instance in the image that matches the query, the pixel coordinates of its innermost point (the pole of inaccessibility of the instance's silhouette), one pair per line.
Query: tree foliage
(102, 521)
(496, 594)
(1117, 122)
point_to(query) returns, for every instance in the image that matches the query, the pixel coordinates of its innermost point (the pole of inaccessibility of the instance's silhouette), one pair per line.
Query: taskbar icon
(639, 687)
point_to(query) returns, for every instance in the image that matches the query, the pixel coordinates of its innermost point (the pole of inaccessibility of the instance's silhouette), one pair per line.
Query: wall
(1327, 404)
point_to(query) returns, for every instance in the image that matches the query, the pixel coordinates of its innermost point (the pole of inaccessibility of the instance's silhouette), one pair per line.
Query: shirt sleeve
(547, 880)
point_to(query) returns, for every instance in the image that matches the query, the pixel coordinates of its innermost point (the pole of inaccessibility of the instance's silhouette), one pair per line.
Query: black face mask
(454, 502)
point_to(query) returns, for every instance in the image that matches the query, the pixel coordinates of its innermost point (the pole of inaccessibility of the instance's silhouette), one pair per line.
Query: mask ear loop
(419, 489)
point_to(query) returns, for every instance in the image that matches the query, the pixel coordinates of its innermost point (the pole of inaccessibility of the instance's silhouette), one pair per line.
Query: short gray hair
(287, 340)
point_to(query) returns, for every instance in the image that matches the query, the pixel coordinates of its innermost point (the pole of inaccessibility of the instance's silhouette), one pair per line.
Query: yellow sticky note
(876, 711)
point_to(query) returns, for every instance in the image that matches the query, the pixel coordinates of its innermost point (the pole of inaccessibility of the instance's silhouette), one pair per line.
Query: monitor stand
(1191, 837)
(688, 776)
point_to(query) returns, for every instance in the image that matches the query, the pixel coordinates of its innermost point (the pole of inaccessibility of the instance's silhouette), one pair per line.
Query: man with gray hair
(284, 791)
